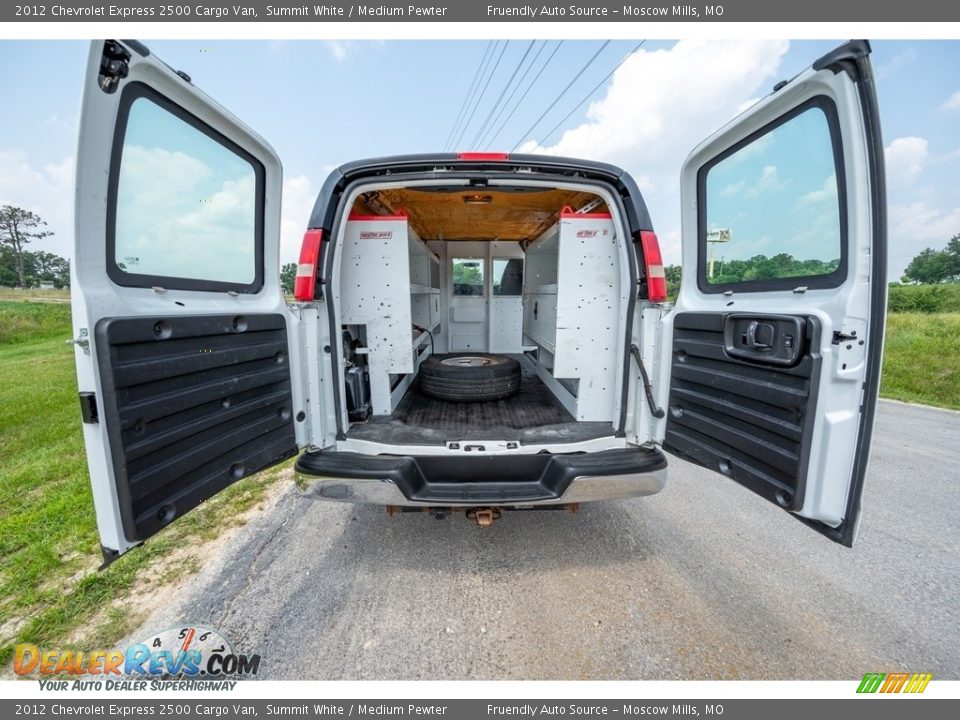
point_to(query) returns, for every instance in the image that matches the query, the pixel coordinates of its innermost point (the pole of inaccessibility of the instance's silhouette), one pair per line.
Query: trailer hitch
(483, 516)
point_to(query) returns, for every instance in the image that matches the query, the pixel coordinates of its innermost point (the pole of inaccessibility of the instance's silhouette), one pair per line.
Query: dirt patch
(157, 582)
(168, 576)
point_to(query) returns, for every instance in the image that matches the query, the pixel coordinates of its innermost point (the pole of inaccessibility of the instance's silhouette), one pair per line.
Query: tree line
(932, 267)
(929, 267)
(759, 267)
(20, 267)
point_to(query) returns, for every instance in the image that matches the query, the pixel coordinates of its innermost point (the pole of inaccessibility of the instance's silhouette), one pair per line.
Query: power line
(476, 104)
(483, 125)
(467, 97)
(589, 94)
(474, 84)
(525, 92)
(513, 92)
(562, 93)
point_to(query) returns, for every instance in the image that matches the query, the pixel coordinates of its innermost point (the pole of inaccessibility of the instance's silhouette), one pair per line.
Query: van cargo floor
(533, 414)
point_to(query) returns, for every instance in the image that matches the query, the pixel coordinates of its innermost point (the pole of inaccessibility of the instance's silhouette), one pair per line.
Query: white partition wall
(506, 301)
(571, 311)
(489, 317)
(394, 285)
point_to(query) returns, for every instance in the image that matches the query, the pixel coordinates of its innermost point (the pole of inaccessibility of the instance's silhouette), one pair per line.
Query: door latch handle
(750, 336)
(765, 339)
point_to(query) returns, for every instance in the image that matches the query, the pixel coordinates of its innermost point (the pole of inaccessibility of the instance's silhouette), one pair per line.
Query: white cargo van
(475, 331)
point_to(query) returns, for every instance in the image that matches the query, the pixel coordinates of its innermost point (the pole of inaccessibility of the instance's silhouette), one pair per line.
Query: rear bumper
(481, 480)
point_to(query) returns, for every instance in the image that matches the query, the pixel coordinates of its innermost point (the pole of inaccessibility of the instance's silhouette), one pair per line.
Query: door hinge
(82, 341)
(88, 408)
(114, 65)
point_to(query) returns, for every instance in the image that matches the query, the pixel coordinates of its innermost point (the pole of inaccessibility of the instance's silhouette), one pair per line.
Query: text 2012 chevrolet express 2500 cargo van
(477, 331)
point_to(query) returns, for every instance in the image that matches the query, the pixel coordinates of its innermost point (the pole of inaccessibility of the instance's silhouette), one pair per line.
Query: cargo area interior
(528, 272)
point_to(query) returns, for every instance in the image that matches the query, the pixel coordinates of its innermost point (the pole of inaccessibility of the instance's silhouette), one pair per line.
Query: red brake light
(483, 156)
(656, 278)
(305, 283)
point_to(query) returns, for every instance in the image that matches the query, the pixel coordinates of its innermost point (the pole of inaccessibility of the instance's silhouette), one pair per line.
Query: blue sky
(321, 103)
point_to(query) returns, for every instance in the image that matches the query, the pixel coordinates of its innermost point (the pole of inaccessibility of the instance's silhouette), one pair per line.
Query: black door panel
(746, 419)
(191, 404)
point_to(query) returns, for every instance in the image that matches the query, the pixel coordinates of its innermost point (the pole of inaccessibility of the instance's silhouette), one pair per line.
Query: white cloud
(647, 125)
(919, 224)
(643, 117)
(924, 207)
(46, 190)
(952, 102)
(905, 159)
(178, 216)
(827, 192)
(671, 245)
(299, 195)
(734, 188)
(915, 226)
(769, 181)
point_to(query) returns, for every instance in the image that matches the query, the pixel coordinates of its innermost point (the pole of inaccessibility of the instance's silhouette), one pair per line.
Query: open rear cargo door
(184, 341)
(777, 335)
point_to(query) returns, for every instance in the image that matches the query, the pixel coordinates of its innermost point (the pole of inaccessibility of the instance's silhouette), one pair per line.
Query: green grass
(27, 323)
(944, 298)
(921, 361)
(48, 535)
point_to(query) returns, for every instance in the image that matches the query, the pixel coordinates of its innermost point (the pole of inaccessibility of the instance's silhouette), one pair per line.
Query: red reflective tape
(483, 156)
(401, 215)
(305, 283)
(568, 212)
(653, 262)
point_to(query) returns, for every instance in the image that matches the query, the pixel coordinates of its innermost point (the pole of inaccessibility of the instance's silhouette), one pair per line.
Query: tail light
(653, 260)
(306, 281)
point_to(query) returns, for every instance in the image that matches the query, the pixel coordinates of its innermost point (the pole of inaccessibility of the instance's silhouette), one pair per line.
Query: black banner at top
(637, 11)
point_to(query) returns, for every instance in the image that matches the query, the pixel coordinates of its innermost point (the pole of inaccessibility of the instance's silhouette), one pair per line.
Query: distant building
(46, 285)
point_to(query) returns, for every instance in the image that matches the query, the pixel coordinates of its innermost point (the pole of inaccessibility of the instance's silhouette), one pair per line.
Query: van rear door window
(186, 203)
(773, 207)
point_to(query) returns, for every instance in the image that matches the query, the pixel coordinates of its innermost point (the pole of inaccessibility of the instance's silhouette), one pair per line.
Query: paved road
(704, 581)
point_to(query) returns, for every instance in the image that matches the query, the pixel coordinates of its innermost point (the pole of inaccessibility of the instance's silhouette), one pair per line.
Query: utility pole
(720, 235)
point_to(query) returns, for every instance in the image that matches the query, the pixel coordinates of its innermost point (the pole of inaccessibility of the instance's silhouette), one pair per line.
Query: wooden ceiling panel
(475, 213)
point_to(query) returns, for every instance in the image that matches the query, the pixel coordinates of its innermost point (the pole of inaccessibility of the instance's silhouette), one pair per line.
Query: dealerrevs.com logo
(192, 657)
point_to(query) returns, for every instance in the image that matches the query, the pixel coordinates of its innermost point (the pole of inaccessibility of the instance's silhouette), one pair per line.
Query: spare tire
(475, 377)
